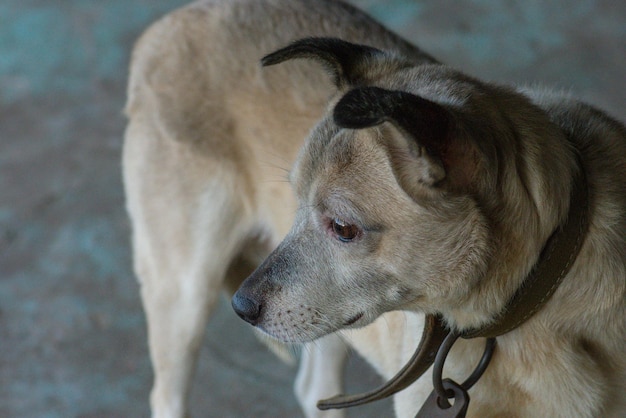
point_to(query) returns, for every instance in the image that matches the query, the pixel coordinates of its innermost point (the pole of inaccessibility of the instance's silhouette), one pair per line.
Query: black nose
(249, 310)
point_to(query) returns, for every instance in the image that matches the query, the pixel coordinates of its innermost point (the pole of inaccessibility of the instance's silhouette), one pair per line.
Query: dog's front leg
(175, 331)
(320, 375)
(181, 266)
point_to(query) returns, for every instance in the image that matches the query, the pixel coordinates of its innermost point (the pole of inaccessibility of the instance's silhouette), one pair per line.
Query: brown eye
(345, 232)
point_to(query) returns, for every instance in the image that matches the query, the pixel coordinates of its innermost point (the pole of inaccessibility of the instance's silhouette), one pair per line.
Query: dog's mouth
(353, 319)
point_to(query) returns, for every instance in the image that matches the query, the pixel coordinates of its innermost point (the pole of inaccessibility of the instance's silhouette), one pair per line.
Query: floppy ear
(425, 125)
(344, 60)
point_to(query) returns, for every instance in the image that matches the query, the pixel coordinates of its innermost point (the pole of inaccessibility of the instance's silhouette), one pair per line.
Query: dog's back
(199, 68)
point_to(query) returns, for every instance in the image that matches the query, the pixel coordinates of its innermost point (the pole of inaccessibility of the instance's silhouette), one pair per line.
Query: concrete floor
(72, 332)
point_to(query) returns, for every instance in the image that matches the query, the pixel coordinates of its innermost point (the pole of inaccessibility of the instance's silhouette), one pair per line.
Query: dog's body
(210, 138)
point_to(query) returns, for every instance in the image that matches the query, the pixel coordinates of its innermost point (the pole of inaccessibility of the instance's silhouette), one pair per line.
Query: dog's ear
(346, 62)
(428, 129)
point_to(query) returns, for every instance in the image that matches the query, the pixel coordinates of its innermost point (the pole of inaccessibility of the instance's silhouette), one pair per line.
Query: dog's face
(360, 245)
(391, 213)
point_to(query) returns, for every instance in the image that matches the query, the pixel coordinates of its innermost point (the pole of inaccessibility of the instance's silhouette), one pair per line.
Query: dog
(423, 189)
(209, 140)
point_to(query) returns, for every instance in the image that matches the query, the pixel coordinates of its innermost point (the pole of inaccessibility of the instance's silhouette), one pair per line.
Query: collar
(554, 263)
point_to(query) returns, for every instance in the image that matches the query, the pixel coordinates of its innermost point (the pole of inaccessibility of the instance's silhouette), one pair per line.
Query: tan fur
(210, 140)
(456, 229)
(462, 244)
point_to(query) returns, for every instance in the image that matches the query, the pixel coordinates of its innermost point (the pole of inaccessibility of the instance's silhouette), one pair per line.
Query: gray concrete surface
(72, 333)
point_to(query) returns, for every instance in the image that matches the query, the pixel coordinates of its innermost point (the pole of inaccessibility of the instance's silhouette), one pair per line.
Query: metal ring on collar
(440, 359)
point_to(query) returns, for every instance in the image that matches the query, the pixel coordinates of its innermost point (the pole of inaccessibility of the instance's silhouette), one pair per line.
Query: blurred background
(72, 332)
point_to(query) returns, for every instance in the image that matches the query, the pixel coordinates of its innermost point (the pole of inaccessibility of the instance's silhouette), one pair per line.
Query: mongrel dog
(210, 138)
(441, 200)
(425, 190)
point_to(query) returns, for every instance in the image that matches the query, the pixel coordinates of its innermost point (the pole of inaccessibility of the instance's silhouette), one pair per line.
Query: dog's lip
(353, 319)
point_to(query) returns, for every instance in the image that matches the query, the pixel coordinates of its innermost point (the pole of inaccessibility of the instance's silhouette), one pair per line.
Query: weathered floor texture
(72, 332)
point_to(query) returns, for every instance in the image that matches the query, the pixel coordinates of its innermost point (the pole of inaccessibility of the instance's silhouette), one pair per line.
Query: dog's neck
(554, 263)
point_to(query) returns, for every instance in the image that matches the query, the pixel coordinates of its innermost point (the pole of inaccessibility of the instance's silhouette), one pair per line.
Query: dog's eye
(344, 231)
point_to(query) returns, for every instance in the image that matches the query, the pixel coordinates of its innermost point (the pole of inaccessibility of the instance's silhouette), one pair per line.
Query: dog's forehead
(340, 158)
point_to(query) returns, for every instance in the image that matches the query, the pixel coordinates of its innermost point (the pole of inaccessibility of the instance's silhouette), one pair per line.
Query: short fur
(452, 229)
(210, 140)
(425, 190)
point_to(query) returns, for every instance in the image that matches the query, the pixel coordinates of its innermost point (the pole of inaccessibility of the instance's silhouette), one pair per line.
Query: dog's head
(400, 200)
